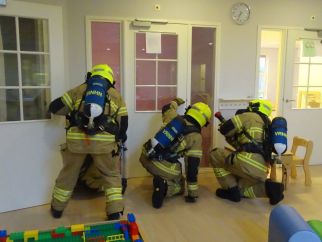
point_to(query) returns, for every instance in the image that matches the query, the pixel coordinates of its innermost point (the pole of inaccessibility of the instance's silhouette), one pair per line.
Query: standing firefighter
(243, 173)
(97, 122)
(179, 137)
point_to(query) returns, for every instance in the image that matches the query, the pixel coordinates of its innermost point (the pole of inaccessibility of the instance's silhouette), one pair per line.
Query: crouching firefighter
(97, 121)
(243, 173)
(179, 137)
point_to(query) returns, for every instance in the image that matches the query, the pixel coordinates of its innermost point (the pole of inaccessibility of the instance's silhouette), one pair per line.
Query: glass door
(302, 101)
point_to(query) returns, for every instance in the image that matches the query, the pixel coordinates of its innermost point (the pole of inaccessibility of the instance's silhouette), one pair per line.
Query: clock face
(240, 12)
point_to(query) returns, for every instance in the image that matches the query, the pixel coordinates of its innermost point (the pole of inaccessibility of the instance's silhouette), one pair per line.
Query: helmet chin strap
(187, 108)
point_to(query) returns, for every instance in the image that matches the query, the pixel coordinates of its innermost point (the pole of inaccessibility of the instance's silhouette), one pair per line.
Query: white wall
(238, 50)
(237, 63)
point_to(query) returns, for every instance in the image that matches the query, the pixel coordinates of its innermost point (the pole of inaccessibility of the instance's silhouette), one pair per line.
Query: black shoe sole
(158, 195)
(274, 191)
(55, 213)
(228, 194)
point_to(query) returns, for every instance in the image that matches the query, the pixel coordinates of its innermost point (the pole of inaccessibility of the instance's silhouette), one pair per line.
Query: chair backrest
(301, 142)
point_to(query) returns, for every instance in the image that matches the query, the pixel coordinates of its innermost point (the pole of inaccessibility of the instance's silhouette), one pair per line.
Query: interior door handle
(289, 100)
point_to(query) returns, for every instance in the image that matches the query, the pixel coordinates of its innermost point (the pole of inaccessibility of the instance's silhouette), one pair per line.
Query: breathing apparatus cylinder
(279, 135)
(166, 136)
(95, 98)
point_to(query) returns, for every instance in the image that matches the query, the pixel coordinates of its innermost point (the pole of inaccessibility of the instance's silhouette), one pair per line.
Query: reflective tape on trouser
(113, 194)
(82, 136)
(61, 194)
(249, 192)
(175, 187)
(194, 153)
(192, 189)
(246, 157)
(170, 170)
(221, 172)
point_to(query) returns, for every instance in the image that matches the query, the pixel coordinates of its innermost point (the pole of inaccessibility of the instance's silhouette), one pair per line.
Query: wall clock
(240, 12)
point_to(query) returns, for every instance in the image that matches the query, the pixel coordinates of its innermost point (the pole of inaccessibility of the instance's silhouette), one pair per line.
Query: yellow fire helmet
(200, 112)
(263, 106)
(105, 71)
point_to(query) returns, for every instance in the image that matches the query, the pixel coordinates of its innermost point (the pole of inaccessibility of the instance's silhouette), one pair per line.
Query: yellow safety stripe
(249, 192)
(122, 111)
(68, 101)
(238, 122)
(166, 169)
(176, 188)
(112, 198)
(182, 146)
(194, 153)
(113, 190)
(221, 172)
(81, 136)
(114, 106)
(252, 131)
(62, 195)
(246, 158)
(192, 187)
(257, 129)
(113, 194)
(77, 103)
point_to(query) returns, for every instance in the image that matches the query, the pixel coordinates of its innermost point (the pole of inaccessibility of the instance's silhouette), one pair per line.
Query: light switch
(3, 2)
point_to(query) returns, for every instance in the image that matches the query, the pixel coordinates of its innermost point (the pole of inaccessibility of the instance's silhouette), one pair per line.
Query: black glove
(190, 199)
(122, 137)
(74, 118)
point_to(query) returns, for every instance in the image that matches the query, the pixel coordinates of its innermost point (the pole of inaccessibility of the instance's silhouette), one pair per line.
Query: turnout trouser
(171, 172)
(248, 171)
(108, 166)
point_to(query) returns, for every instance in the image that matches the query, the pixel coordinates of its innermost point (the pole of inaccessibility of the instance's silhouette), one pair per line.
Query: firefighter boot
(114, 216)
(159, 191)
(232, 194)
(55, 213)
(274, 191)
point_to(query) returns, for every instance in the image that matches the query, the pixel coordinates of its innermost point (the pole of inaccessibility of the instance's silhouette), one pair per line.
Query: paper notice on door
(308, 48)
(153, 43)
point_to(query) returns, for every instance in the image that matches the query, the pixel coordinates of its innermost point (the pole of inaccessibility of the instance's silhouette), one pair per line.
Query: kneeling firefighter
(179, 137)
(98, 120)
(243, 172)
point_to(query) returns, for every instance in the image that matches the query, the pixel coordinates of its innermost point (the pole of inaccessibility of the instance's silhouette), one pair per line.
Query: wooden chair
(290, 160)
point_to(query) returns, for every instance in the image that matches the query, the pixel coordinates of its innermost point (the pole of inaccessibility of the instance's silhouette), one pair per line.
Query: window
(262, 78)
(156, 74)
(24, 69)
(307, 76)
(106, 47)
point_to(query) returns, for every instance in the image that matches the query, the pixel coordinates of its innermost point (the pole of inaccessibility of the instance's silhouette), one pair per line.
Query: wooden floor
(210, 219)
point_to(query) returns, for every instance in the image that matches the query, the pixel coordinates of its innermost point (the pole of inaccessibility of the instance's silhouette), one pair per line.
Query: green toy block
(316, 225)
(44, 235)
(17, 236)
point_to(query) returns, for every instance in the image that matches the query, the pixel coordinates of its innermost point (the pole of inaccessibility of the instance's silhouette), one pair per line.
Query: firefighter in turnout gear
(97, 122)
(242, 173)
(179, 137)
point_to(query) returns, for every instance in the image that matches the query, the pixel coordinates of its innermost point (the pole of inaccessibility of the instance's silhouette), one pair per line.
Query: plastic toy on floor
(287, 225)
(113, 231)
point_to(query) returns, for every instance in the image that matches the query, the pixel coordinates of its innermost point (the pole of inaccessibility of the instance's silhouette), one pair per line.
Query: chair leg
(307, 174)
(293, 170)
(273, 172)
(284, 176)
